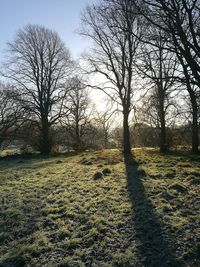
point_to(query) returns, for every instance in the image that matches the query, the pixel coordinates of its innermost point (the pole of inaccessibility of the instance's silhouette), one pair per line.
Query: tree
(79, 111)
(180, 19)
(12, 116)
(158, 66)
(111, 25)
(104, 122)
(39, 65)
(144, 135)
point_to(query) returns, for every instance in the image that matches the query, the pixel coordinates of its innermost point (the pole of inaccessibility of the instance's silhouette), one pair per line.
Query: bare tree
(180, 19)
(12, 116)
(158, 66)
(104, 121)
(112, 26)
(79, 111)
(39, 64)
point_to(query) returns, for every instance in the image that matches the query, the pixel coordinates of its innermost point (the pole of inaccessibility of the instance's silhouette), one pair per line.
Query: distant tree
(112, 26)
(78, 102)
(117, 135)
(144, 135)
(12, 116)
(104, 122)
(39, 64)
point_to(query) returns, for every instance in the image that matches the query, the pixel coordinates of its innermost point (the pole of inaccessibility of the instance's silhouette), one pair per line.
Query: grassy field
(61, 211)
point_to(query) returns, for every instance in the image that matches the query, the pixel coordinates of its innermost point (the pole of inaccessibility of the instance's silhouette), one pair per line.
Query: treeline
(82, 127)
(145, 57)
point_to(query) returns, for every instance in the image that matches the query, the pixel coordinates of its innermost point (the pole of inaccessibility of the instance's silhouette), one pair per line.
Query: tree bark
(126, 134)
(77, 132)
(106, 141)
(163, 145)
(193, 101)
(45, 144)
(195, 130)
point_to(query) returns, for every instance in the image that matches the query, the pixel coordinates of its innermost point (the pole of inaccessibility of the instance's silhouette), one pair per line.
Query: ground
(63, 211)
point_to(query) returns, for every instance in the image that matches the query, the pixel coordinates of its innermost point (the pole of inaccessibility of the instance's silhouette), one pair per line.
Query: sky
(63, 16)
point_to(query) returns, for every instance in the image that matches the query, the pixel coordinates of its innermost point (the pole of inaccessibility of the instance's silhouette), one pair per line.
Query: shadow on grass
(38, 155)
(154, 248)
(33, 161)
(185, 154)
(20, 231)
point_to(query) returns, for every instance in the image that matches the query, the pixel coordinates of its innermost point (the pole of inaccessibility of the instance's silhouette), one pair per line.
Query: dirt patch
(98, 175)
(106, 171)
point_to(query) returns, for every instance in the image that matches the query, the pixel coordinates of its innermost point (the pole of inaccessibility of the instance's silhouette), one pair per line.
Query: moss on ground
(144, 212)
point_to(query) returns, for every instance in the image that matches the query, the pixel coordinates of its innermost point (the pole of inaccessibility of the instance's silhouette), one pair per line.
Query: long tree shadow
(33, 161)
(154, 247)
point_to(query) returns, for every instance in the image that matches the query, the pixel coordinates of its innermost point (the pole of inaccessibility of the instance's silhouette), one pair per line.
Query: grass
(146, 212)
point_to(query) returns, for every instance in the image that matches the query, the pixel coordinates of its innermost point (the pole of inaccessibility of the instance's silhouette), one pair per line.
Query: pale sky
(63, 16)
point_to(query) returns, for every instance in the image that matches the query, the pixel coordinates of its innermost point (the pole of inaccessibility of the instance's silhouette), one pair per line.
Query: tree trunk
(77, 134)
(77, 137)
(163, 145)
(193, 100)
(126, 134)
(45, 144)
(195, 130)
(105, 143)
(105, 139)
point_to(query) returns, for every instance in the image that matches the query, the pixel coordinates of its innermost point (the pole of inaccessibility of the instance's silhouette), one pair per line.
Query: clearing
(62, 211)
